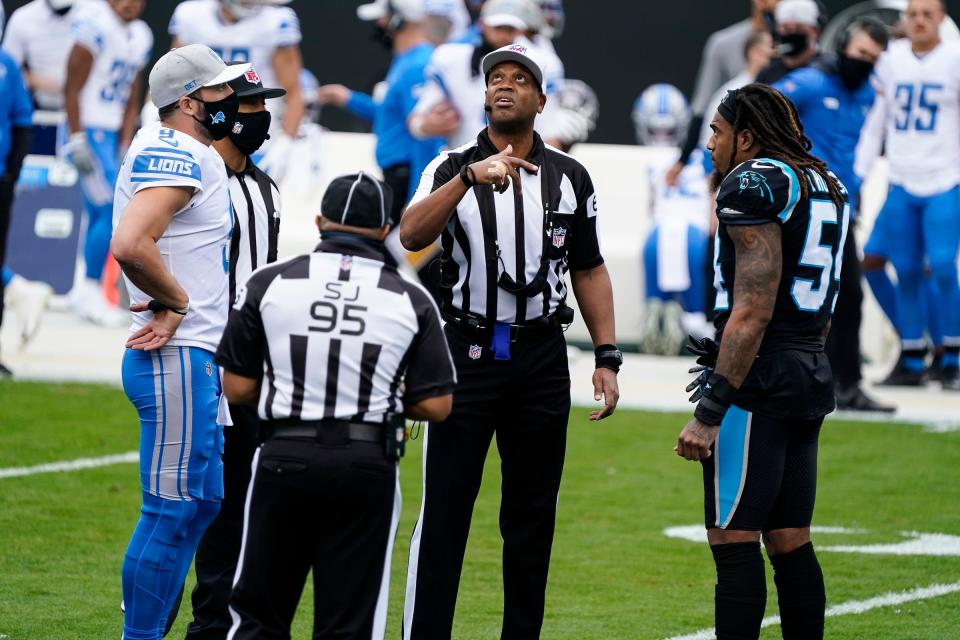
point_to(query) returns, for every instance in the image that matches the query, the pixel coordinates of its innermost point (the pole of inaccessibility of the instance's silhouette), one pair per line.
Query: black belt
(317, 429)
(478, 325)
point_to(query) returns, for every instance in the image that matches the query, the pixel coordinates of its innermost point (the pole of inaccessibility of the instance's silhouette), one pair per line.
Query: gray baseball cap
(180, 72)
(519, 53)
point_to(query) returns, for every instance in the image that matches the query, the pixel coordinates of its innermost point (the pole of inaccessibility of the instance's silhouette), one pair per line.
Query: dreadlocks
(776, 126)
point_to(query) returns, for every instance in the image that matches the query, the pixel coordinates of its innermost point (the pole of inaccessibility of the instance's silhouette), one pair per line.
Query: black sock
(741, 592)
(800, 593)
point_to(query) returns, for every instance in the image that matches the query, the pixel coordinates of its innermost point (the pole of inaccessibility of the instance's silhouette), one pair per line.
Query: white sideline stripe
(854, 606)
(70, 465)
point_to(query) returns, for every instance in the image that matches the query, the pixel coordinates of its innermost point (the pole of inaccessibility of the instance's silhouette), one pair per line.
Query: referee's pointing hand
(495, 169)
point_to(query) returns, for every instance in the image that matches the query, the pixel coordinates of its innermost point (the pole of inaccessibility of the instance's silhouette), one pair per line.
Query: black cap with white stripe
(357, 200)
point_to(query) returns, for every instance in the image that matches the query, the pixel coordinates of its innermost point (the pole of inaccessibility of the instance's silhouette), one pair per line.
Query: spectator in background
(401, 157)
(722, 60)
(833, 97)
(16, 121)
(799, 23)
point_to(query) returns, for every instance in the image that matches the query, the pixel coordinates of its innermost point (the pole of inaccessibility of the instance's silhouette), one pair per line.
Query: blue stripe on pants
(730, 462)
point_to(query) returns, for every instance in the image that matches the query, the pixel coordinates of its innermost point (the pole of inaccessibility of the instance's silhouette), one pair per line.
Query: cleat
(950, 378)
(28, 300)
(855, 399)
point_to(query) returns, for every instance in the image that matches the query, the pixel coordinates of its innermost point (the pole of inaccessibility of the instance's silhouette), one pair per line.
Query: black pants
(843, 343)
(330, 506)
(219, 549)
(398, 177)
(525, 402)
(6, 204)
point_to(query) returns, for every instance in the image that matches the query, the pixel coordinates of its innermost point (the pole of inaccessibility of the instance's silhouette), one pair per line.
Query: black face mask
(793, 44)
(770, 21)
(219, 116)
(382, 36)
(854, 72)
(250, 131)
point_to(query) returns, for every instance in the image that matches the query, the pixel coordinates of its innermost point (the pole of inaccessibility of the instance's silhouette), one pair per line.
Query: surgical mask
(250, 131)
(793, 44)
(219, 116)
(854, 72)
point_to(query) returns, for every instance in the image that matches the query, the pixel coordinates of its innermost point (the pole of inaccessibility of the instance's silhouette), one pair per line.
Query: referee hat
(249, 84)
(357, 200)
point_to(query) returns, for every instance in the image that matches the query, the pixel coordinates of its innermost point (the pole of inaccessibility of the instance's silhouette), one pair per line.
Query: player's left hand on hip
(157, 332)
(605, 387)
(695, 440)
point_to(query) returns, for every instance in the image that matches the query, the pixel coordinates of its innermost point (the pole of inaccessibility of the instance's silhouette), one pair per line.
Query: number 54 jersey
(921, 96)
(765, 191)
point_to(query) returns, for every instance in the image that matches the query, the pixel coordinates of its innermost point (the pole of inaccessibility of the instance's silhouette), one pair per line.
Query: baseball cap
(524, 15)
(519, 53)
(407, 9)
(357, 200)
(180, 72)
(249, 84)
(801, 11)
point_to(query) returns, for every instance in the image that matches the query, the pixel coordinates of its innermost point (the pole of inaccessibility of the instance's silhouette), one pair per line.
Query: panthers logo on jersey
(750, 180)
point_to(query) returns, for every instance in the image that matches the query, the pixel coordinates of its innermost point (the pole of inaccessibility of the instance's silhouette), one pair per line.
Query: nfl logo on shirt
(559, 237)
(475, 352)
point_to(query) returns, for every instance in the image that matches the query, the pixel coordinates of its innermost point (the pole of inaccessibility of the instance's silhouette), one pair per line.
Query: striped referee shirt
(337, 334)
(255, 202)
(553, 212)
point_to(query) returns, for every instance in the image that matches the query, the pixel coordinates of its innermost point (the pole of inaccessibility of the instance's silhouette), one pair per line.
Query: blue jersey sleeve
(799, 86)
(21, 112)
(757, 192)
(362, 105)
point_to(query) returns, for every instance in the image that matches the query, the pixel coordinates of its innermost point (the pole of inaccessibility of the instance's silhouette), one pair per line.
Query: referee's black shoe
(855, 399)
(950, 378)
(900, 376)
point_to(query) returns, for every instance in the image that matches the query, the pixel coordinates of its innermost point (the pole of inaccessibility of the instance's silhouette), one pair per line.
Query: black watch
(608, 356)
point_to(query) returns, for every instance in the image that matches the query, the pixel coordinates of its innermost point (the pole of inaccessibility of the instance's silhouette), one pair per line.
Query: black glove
(706, 351)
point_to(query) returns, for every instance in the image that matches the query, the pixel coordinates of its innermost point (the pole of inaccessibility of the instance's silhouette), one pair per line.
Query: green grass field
(614, 574)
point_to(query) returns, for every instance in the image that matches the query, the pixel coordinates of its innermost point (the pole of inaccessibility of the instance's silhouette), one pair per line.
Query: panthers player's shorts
(176, 391)
(762, 474)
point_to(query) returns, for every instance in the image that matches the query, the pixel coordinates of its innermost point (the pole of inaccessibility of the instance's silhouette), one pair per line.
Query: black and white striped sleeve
(585, 248)
(241, 349)
(438, 173)
(430, 371)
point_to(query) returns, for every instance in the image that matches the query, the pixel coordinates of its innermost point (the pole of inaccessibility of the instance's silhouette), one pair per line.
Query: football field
(888, 504)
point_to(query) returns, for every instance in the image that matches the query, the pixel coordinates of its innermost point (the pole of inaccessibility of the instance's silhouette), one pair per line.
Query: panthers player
(111, 47)
(764, 392)
(675, 251)
(917, 115)
(266, 34)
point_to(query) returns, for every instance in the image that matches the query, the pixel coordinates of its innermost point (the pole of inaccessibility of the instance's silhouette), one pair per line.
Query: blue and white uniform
(917, 116)
(120, 50)
(176, 389)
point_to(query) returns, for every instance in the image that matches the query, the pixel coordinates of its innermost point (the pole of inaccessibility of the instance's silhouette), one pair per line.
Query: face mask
(854, 72)
(250, 131)
(382, 36)
(793, 44)
(219, 116)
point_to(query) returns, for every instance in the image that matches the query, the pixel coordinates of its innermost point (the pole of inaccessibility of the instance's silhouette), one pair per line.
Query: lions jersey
(253, 39)
(922, 132)
(120, 50)
(195, 246)
(688, 201)
(762, 191)
(453, 75)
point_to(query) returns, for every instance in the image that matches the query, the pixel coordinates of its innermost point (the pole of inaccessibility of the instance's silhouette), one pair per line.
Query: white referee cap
(519, 53)
(801, 11)
(180, 72)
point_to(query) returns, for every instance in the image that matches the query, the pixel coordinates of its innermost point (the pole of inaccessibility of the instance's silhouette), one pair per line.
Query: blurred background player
(833, 97)
(16, 121)
(401, 156)
(675, 251)
(798, 27)
(917, 118)
(577, 112)
(103, 87)
(265, 34)
(722, 60)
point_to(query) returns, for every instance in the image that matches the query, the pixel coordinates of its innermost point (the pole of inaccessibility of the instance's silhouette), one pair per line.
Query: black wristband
(156, 306)
(607, 356)
(717, 397)
(466, 175)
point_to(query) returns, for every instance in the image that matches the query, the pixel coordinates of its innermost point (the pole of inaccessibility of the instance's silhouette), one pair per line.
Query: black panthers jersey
(762, 191)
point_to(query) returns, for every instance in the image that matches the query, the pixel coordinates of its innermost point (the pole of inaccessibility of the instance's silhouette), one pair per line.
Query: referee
(256, 224)
(508, 240)
(334, 348)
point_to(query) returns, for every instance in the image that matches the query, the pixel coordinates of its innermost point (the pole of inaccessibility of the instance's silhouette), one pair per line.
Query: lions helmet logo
(218, 118)
(751, 180)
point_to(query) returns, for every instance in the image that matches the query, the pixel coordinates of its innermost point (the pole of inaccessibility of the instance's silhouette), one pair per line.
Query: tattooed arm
(759, 263)
(758, 268)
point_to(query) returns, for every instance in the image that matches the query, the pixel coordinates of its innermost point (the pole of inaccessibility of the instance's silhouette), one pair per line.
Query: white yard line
(70, 465)
(852, 607)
